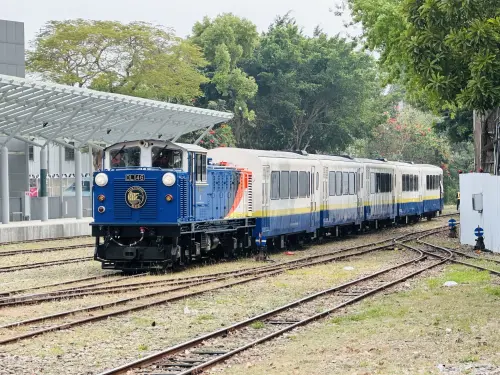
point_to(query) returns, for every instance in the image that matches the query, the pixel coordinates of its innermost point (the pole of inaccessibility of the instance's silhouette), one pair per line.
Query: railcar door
(324, 203)
(313, 197)
(393, 189)
(266, 190)
(359, 193)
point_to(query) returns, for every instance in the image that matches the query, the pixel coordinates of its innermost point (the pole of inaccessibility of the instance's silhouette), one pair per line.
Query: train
(158, 204)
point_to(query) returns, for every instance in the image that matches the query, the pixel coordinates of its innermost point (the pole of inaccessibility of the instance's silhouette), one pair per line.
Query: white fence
(487, 189)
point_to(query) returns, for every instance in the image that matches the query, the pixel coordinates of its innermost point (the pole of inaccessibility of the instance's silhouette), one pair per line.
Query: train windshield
(125, 157)
(167, 159)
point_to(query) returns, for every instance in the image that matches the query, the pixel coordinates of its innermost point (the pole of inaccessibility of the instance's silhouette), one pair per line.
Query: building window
(69, 153)
(31, 153)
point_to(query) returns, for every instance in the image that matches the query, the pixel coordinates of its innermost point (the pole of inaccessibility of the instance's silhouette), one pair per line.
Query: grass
(257, 325)
(408, 332)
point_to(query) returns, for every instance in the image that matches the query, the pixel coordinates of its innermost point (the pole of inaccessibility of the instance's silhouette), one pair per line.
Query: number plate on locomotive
(135, 177)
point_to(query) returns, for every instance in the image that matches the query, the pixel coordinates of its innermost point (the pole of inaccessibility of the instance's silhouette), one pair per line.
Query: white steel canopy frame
(59, 113)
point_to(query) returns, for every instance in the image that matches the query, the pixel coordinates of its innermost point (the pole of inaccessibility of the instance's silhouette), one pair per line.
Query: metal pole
(61, 199)
(27, 167)
(78, 184)
(4, 183)
(91, 161)
(43, 184)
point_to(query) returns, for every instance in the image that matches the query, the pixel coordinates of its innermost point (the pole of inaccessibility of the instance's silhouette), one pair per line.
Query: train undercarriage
(157, 248)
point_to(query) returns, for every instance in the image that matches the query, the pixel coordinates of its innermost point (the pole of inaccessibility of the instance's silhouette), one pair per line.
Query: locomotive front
(139, 201)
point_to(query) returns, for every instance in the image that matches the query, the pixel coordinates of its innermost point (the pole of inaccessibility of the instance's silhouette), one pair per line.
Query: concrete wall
(489, 186)
(12, 48)
(69, 207)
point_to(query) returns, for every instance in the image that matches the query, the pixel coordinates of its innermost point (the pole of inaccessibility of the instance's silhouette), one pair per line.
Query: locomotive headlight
(168, 179)
(101, 179)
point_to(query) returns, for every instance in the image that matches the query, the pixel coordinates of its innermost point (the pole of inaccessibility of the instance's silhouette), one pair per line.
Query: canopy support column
(43, 183)
(61, 187)
(78, 183)
(4, 183)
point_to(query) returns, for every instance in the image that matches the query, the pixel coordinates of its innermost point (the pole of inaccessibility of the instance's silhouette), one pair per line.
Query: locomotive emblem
(135, 197)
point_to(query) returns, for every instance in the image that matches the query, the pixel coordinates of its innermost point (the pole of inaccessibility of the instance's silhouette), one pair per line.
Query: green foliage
(314, 92)
(226, 41)
(135, 59)
(408, 136)
(446, 53)
(219, 136)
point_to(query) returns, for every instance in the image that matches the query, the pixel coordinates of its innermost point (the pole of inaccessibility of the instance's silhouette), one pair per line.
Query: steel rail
(22, 267)
(154, 303)
(46, 250)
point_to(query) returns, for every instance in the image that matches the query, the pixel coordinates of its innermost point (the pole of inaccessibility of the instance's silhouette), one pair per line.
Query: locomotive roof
(183, 146)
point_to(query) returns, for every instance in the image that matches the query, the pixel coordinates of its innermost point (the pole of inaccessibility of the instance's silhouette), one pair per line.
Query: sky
(180, 15)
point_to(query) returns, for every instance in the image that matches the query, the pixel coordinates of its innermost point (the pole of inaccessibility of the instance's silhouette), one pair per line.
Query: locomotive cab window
(201, 167)
(165, 158)
(125, 157)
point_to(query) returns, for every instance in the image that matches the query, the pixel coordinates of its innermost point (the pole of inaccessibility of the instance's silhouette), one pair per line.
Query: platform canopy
(62, 114)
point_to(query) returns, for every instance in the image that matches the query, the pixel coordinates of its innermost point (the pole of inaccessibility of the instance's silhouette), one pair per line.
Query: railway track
(222, 280)
(195, 356)
(45, 250)
(22, 267)
(42, 240)
(96, 288)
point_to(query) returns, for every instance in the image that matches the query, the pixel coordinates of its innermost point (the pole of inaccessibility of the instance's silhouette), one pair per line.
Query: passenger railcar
(159, 203)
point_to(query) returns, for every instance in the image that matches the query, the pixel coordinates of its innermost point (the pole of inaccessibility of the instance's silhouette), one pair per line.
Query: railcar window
(308, 184)
(166, 159)
(331, 183)
(275, 185)
(352, 184)
(373, 183)
(338, 183)
(125, 157)
(317, 180)
(345, 183)
(303, 182)
(383, 182)
(405, 182)
(432, 182)
(284, 185)
(294, 185)
(415, 183)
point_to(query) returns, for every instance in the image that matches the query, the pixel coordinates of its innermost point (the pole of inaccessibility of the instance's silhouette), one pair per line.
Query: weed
(204, 317)
(257, 325)
(469, 359)
(142, 347)
(493, 290)
(461, 275)
(56, 350)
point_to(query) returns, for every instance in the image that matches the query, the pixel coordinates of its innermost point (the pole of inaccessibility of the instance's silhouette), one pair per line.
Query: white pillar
(78, 184)
(43, 183)
(61, 190)
(4, 183)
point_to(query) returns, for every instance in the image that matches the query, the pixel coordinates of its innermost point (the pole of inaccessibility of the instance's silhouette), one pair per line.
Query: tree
(314, 92)
(135, 59)
(446, 53)
(409, 136)
(220, 136)
(226, 41)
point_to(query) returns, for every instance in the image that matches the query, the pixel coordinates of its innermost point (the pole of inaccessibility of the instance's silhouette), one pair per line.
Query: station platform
(38, 230)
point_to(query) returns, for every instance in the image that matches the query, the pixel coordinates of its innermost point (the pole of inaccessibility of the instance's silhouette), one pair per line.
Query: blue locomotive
(158, 203)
